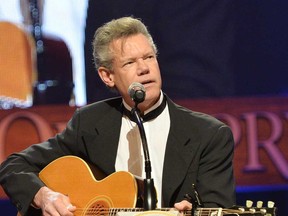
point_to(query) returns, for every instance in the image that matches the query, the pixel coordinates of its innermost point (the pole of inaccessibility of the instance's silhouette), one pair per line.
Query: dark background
(207, 48)
(194, 39)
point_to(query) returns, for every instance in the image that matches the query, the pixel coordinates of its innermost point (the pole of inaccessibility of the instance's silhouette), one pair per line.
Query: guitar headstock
(259, 210)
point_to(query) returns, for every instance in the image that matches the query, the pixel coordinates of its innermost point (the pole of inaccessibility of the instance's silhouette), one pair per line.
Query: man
(186, 147)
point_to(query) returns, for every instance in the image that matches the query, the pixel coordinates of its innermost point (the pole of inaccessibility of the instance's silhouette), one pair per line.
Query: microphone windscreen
(137, 92)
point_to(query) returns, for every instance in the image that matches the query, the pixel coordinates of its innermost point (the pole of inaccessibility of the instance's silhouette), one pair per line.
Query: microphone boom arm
(150, 199)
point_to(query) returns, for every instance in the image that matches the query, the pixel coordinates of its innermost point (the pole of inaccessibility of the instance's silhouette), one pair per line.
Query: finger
(183, 205)
(57, 205)
(65, 208)
(68, 204)
(71, 207)
(50, 210)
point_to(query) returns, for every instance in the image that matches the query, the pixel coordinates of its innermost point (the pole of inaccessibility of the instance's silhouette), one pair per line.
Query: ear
(106, 76)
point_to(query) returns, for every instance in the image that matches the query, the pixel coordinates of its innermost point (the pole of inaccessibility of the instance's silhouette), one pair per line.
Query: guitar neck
(157, 211)
(198, 212)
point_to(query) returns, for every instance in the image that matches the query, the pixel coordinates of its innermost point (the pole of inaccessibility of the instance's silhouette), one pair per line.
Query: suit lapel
(104, 143)
(180, 151)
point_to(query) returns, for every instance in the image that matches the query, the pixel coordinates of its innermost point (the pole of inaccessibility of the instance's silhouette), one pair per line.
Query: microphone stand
(150, 199)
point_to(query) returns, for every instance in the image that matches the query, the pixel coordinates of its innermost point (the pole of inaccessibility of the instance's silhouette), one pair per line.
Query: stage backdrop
(259, 125)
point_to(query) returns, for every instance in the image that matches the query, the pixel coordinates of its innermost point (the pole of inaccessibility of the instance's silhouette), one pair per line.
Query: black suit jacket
(199, 150)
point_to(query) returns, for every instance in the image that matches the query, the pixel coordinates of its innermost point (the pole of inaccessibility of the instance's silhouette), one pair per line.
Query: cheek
(126, 78)
(156, 69)
(121, 84)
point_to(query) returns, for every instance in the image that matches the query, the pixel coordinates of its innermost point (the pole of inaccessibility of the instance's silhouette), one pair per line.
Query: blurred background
(208, 49)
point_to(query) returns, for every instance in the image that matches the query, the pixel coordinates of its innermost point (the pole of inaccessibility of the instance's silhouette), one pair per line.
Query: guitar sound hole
(99, 207)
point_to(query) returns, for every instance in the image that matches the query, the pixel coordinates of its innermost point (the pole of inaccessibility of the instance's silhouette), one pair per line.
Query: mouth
(147, 82)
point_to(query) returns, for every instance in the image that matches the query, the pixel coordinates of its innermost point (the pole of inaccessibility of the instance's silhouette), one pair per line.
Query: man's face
(134, 60)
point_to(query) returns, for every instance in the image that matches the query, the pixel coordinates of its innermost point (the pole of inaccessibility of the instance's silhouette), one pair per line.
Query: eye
(150, 57)
(128, 63)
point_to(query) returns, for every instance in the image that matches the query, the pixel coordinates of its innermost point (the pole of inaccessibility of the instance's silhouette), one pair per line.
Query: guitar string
(114, 211)
(201, 212)
(140, 209)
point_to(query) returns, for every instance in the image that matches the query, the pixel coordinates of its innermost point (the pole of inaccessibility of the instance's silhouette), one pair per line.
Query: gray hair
(113, 30)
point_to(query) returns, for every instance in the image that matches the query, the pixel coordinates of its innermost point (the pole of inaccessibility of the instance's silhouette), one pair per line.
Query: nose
(142, 67)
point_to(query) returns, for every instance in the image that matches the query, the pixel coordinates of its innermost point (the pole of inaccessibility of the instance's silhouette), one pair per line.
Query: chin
(152, 95)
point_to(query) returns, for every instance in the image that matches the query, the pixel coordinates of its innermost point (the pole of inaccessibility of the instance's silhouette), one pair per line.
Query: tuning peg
(270, 204)
(241, 209)
(249, 203)
(259, 204)
(263, 211)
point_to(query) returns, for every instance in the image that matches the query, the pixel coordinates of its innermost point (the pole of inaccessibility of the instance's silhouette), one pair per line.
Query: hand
(183, 206)
(53, 203)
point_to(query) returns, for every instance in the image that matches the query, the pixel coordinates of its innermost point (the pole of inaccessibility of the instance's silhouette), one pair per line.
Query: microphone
(137, 92)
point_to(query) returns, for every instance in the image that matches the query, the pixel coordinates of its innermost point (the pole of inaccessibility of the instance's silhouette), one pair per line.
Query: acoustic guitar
(94, 194)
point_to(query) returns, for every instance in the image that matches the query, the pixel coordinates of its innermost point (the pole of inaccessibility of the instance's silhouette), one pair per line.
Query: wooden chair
(17, 66)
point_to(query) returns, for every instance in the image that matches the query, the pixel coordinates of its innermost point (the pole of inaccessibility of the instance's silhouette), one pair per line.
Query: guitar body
(73, 177)
(116, 194)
